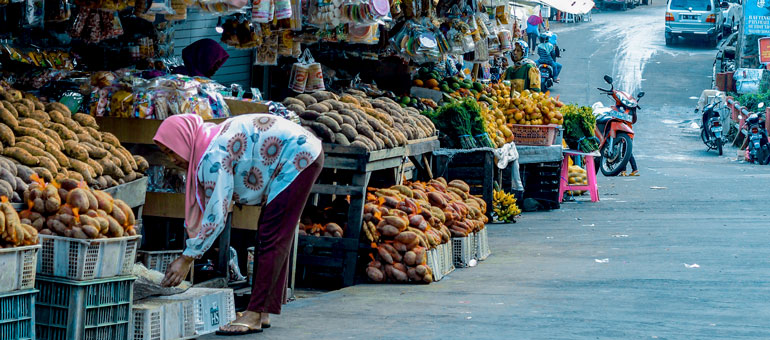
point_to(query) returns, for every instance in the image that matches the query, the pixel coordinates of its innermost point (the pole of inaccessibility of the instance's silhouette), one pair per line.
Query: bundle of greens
(579, 123)
(460, 121)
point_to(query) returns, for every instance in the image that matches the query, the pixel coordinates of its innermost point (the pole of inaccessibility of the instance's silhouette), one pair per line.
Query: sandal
(622, 174)
(264, 325)
(249, 330)
(634, 173)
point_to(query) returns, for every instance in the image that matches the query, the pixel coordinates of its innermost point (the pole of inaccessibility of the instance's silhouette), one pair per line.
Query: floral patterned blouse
(252, 160)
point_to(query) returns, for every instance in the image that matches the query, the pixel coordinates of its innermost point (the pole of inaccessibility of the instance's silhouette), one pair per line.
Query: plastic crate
(158, 260)
(446, 253)
(434, 263)
(78, 259)
(84, 310)
(538, 135)
(461, 251)
(18, 266)
(212, 307)
(17, 315)
(156, 319)
(481, 244)
(472, 237)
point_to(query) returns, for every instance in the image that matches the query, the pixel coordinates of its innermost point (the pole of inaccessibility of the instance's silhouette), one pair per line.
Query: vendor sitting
(252, 159)
(202, 58)
(524, 74)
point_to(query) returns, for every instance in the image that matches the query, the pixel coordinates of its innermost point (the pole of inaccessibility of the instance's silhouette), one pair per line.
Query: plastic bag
(161, 7)
(315, 80)
(267, 53)
(34, 15)
(299, 72)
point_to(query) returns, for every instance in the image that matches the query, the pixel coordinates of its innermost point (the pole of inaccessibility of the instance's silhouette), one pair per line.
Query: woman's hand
(177, 271)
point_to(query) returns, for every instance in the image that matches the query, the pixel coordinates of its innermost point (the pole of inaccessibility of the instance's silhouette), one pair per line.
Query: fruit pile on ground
(504, 206)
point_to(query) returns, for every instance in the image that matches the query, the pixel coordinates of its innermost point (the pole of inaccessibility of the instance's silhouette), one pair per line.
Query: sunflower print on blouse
(270, 150)
(250, 162)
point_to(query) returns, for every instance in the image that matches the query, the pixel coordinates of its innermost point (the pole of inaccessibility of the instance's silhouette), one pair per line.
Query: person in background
(534, 22)
(251, 159)
(547, 52)
(523, 74)
(202, 58)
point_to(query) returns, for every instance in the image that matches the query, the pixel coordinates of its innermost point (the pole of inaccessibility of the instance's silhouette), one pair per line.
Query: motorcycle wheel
(763, 154)
(612, 167)
(719, 146)
(704, 138)
(597, 164)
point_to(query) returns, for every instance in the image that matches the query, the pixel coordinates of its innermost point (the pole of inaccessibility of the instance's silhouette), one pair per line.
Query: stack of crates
(542, 183)
(17, 293)
(86, 288)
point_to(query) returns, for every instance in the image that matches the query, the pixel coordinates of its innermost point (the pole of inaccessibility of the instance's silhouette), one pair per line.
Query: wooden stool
(592, 187)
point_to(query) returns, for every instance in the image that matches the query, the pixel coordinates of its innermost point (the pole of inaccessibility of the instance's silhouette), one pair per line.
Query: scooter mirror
(696, 110)
(641, 94)
(608, 79)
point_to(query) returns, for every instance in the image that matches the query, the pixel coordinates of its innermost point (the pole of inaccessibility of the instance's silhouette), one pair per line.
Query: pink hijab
(189, 137)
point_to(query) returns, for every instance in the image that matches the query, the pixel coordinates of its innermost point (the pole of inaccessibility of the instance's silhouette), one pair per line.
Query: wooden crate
(347, 172)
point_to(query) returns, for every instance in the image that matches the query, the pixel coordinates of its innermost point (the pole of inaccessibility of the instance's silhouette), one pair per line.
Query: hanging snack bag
(315, 80)
(299, 72)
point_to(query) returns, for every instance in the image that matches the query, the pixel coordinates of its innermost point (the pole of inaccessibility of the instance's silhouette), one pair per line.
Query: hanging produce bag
(299, 72)
(315, 80)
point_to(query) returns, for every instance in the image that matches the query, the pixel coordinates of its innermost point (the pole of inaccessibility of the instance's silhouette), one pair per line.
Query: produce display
(404, 221)
(70, 209)
(55, 144)
(462, 124)
(579, 123)
(326, 222)
(15, 231)
(504, 206)
(529, 108)
(577, 176)
(357, 120)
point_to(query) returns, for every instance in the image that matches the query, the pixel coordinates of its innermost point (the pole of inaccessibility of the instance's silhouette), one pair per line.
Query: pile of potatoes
(330, 229)
(71, 209)
(14, 231)
(404, 221)
(354, 119)
(57, 144)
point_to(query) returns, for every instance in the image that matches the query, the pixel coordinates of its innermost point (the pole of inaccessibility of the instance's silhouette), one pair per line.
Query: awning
(571, 6)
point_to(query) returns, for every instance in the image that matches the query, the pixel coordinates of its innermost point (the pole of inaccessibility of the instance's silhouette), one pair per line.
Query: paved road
(543, 280)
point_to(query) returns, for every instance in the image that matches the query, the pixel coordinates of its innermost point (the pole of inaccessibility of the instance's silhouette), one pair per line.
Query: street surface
(622, 268)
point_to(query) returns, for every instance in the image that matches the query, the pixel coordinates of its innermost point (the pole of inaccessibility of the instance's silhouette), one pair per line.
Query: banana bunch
(504, 206)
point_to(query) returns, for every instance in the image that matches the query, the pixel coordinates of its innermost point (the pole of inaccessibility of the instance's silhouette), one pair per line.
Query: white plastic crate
(472, 237)
(446, 254)
(18, 268)
(481, 245)
(434, 263)
(156, 319)
(212, 307)
(78, 259)
(158, 260)
(461, 251)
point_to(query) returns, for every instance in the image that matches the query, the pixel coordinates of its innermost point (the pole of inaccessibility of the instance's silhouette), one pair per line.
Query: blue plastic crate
(17, 315)
(83, 310)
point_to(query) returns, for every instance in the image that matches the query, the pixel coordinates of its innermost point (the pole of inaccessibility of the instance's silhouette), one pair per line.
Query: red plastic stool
(592, 187)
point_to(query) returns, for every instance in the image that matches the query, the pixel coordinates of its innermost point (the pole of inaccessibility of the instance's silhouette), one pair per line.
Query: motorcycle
(547, 79)
(711, 128)
(614, 130)
(758, 148)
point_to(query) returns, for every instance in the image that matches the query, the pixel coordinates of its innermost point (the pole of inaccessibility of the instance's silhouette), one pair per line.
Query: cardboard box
(171, 205)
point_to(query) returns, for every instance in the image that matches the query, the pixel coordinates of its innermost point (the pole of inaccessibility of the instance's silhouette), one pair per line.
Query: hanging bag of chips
(299, 72)
(315, 79)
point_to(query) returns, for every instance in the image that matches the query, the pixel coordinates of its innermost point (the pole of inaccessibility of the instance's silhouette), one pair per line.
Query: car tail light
(754, 130)
(669, 16)
(717, 124)
(711, 18)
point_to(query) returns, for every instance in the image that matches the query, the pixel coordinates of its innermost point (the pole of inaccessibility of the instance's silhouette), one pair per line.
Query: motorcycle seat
(603, 119)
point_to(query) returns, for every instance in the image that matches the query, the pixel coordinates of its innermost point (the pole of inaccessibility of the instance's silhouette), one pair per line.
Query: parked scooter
(711, 128)
(756, 134)
(614, 130)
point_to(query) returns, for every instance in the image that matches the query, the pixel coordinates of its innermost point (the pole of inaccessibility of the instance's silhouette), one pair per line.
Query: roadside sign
(756, 16)
(764, 50)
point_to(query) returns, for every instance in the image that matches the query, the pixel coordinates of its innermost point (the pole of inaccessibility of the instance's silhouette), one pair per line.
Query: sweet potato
(6, 135)
(388, 230)
(375, 274)
(120, 216)
(43, 173)
(7, 118)
(10, 107)
(131, 219)
(141, 163)
(64, 132)
(384, 255)
(77, 232)
(85, 120)
(95, 134)
(73, 149)
(52, 199)
(78, 198)
(109, 138)
(58, 107)
(56, 226)
(396, 221)
(21, 155)
(406, 237)
(409, 258)
(104, 200)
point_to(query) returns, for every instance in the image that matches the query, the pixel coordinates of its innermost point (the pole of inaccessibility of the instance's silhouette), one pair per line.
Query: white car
(732, 15)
